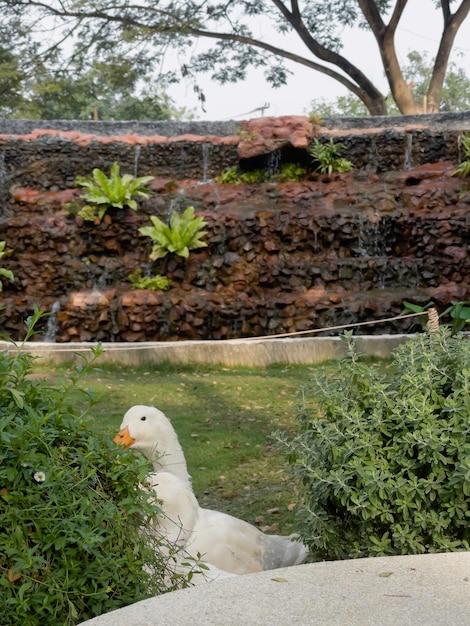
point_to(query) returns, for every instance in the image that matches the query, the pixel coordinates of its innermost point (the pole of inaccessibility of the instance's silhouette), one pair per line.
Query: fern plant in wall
(4, 273)
(463, 169)
(116, 191)
(328, 157)
(184, 233)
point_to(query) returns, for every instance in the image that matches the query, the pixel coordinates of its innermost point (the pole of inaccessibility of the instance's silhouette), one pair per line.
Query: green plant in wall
(184, 233)
(230, 176)
(254, 177)
(290, 172)
(154, 283)
(464, 168)
(328, 157)
(4, 273)
(116, 191)
(459, 312)
(316, 119)
(383, 455)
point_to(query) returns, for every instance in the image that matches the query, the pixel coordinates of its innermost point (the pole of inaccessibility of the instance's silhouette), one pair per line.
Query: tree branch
(325, 54)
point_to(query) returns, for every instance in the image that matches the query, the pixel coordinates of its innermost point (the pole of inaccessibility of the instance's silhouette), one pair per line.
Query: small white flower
(39, 477)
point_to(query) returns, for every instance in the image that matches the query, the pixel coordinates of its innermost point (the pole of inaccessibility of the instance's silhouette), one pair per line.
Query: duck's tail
(284, 551)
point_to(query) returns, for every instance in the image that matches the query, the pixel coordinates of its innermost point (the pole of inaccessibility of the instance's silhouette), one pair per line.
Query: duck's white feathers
(240, 547)
(180, 509)
(227, 542)
(177, 520)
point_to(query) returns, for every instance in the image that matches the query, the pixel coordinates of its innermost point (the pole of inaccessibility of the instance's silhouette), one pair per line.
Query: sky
(419, 30)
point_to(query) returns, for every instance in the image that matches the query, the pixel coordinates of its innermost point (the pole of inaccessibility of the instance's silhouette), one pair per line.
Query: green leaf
(116, 191)
(182, 235)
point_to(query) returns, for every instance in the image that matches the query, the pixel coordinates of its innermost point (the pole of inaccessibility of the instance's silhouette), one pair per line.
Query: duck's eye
(143, 418)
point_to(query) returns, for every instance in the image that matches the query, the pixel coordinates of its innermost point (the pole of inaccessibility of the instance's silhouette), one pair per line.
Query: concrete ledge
(424, 590)
(232, 352)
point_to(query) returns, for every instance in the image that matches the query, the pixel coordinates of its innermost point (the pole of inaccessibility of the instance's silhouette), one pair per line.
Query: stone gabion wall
(280, 257)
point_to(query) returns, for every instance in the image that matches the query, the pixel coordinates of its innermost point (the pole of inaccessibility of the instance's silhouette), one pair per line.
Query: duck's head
(142, 428)
(148, 429)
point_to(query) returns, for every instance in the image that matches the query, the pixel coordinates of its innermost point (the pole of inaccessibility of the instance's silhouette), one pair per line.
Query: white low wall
(232, 352)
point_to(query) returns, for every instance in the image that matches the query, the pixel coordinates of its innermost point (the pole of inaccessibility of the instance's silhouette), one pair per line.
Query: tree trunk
(452, 24)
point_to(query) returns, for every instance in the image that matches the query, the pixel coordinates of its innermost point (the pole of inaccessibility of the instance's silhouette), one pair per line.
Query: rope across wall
(433, 325)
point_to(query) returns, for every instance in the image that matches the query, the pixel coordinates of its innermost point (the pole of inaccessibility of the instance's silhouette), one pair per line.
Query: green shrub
(327, 156)
(4, 272)
(155, 283)
(229, 176)
(384, 458)
(75, 528)
(290, 172)
(116, 191)
(182, 235)
(464, 168)
(254, 177)
(316, 119)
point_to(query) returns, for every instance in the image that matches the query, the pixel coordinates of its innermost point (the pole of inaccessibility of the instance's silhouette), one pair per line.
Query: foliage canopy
(50, 86)
(142, 33)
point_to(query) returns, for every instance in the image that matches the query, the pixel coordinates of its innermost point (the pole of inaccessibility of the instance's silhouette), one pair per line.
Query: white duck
(176, 524)
(227, 542)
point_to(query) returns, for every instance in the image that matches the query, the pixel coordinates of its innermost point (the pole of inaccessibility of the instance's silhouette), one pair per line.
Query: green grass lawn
(223, 417)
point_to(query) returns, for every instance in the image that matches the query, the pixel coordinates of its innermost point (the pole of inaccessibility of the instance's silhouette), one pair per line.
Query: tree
(34, 86)
(14, 65)
(107, 92)
(98, 27)
(455, 91)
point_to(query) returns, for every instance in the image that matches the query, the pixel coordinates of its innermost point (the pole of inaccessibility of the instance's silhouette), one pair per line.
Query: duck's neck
(169, 458)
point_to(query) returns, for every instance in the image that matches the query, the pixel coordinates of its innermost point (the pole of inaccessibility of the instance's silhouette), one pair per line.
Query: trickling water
(408, 160)
(374, 154)
(114, 327)
(106, 277)
(177, 203)
(459, 148)
(136, 159)
(372, 241)
(52, 326)
(2, 174)
(205, 160)
(273, 163)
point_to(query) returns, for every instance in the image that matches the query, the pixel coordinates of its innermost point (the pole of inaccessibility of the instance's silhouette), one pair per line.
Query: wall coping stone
(169, 128)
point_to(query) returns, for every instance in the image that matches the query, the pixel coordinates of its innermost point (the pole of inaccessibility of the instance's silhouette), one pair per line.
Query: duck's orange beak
(123, 438)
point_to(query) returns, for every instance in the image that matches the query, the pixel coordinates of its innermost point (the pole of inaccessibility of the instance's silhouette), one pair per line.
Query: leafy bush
(4, 272)
(328, 157)
(464, 168)
(116, 191)
(155, 283)
(75, 529)
(182, 235)
(384, 459)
